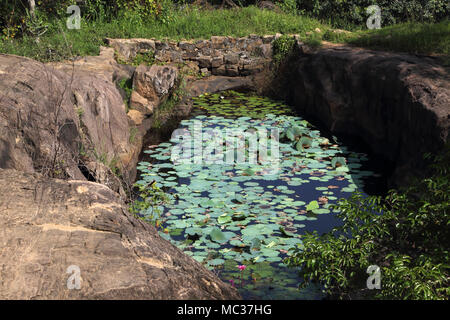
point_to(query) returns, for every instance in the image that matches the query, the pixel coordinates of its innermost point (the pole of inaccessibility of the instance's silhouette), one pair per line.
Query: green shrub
(288, 6)
(148, 204)
(345, 13)
(127, 87)
(15, 21)
(405, 233)
(282, 47)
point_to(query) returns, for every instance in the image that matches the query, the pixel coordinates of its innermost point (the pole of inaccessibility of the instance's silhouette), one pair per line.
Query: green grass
(418, 38)
(194, 23)
(189, 24)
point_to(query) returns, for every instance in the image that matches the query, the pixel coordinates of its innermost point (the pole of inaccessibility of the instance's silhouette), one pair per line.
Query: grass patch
(190, 23)
(195, 23)
(417, 38)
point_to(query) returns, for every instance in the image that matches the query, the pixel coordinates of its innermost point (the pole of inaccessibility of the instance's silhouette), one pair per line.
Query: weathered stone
(206, 51)
(141, 104)
(252, 68)
(232, 70)
(204, 61)
(161, 45)
(189, 55)
(102, 66)
(220, 83)
(268, 39)
(128, 48)
(252, 44)
(267, 51)
(154, 82)
(217, 61)
(135, 116)
(205, 72)
(49, 225)
(268, 5)
(186, 46)
(176, 56)
(218, 42)
(163, 55)
(264, 50)
(189, 68)
(231, 58)
(220, 71)
(200, 44)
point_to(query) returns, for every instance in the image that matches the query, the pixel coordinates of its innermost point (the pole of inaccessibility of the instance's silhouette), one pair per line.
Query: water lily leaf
(337, 162)
(305, 142)
(312, 205)
(285, 233)
(217, 235)
(290, 134)
(224, 219)
(216, 262)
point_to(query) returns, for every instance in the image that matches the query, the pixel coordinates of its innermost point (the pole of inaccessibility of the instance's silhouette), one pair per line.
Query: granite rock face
(56, 122)
(68, 120)
(151, 85)
(398, 104)
(54, 231)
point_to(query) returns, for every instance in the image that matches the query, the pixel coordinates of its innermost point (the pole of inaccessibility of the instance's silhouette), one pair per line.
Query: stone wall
(224, 56)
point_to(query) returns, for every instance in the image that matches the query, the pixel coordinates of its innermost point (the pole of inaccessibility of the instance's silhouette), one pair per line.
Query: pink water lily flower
(242, 267)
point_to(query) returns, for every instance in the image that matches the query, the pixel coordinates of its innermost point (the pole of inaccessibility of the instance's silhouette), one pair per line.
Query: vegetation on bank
(405, 233)
(188, 23)
(421, 38)
(44, 36)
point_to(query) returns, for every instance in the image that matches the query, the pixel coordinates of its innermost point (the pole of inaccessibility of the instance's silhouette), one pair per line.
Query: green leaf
(312, 205)
(217, 235)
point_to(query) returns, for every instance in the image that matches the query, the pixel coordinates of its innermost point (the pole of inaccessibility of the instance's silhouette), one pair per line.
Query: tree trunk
(32, 5)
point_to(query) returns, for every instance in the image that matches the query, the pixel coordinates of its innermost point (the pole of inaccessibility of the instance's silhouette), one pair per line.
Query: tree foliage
(344, 13)
(405, 233)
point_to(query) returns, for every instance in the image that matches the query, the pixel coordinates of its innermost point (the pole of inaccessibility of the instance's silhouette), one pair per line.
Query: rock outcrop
(61, 123)
(151, 86)
(49, 225)
(68, 120)
(398, 104)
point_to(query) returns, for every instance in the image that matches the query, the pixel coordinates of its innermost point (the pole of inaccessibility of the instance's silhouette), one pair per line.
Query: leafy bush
(405, 233)
(344, 13)
(282, 47)
(288, 6)
(15, 20)
(148, 204)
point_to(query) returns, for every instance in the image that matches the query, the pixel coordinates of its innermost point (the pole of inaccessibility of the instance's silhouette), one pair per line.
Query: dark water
(230, 215)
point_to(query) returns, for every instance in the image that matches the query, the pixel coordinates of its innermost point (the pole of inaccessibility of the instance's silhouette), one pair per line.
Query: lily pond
(241, 218)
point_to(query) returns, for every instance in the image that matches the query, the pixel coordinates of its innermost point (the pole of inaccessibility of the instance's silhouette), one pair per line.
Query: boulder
(54, 233)
(153, 85)
(52, 121)
(204, 61)
(127, 49)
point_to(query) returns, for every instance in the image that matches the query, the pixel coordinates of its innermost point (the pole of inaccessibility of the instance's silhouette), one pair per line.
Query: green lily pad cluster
(224, 215)
(232, 104)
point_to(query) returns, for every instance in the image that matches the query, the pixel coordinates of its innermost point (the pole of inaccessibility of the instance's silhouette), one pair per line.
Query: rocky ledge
(63, 125)
(397, 104)
(49, 225)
